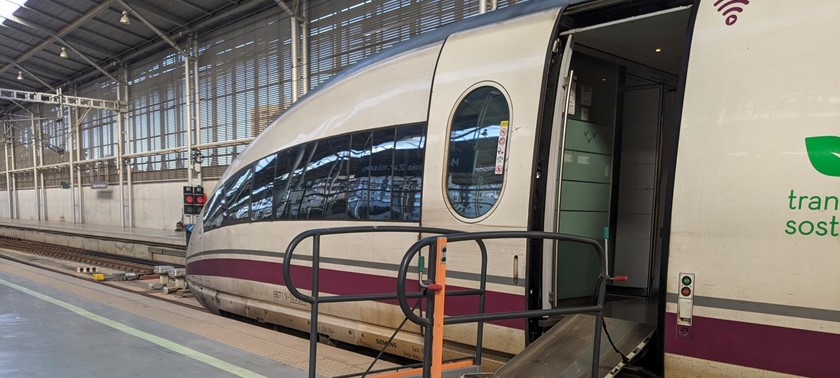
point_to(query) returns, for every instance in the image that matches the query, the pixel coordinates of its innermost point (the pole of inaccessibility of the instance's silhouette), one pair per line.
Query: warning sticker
(501, 147)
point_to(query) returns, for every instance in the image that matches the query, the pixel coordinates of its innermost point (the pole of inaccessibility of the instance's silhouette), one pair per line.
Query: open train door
(602, 161)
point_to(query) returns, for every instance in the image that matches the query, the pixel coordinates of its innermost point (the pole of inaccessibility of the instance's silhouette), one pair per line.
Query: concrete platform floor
(99, 230)
(53, 325)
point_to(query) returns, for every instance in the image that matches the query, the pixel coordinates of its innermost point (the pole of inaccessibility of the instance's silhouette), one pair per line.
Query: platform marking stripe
(191, 353)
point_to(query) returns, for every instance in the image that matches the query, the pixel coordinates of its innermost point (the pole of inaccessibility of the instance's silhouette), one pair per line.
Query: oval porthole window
(477, 147)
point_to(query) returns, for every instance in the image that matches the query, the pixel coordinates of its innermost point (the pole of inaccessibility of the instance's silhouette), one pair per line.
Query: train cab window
(477, 148)
(381, 170)
(238, 196)
(371, 175)
(358, 182)
(214, 213)
(323, 185)
(262, 193)
(407, 181)
(288, 172)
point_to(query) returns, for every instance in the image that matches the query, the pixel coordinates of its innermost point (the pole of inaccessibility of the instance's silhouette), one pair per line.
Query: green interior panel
(589, 224)
(585, 197)
(589, 137)
(588, 167)
(587, 174)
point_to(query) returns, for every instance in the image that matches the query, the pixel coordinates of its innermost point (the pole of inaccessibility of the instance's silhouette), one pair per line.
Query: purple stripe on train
(345, 283)
(784, 350)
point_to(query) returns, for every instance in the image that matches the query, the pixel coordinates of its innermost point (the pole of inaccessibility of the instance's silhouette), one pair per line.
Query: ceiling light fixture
(124, 19)
(63, 53)
(20, 75)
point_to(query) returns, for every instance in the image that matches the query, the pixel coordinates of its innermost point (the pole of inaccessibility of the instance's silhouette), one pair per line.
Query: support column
(487, 5)
(295, 26)
(189, 117)
(128, 169)
(35, 166)
(120, 152)
(70, 148)
(304, 31)
(188, 108)
(7, 139)
(197, 159)
(15, 202)
(127, 143)
(39, 137)
(78, 152)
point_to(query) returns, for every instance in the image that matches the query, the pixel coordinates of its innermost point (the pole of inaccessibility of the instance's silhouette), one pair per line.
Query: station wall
(156, 205)
(245, 81)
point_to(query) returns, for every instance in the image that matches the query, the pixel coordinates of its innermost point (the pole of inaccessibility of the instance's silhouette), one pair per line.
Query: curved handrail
(427, 323)
(429, 241)
(318, 232)
(314, 300)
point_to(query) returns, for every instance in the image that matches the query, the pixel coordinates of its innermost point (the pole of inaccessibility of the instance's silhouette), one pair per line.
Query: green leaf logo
(824, 153)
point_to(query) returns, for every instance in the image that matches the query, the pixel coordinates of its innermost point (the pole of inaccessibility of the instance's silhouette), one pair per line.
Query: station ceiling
(47, 44)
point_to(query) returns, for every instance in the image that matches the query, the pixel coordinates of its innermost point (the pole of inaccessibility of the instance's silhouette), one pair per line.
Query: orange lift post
(439, 288)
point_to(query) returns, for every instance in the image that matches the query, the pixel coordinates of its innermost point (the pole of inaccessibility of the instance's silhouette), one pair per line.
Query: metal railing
(428, 322)
(402, 295)
(315, 299)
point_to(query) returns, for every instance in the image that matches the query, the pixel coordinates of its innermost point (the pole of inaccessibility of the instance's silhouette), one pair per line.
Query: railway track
(128, 264)
(139, 266)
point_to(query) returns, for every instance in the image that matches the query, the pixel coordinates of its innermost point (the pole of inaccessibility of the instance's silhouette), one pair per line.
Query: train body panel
(753, 218)
(234, 259)
(392, 92)
(250, 275)
(513, 66)
(517, 72)
(745, 120)
(472, 132)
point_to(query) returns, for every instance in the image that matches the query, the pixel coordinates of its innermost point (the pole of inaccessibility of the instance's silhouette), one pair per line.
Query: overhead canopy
(35, 37)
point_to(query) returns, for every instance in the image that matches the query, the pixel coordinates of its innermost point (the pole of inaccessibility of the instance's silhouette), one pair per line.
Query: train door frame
(552, 100)
(534, 256)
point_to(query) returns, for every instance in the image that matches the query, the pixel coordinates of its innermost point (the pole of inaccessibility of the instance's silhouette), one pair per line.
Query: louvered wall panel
(245, 81)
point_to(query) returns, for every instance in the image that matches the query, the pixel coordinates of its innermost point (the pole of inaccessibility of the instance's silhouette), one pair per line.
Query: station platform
(58, 325)
(145, 235)
(161, 246)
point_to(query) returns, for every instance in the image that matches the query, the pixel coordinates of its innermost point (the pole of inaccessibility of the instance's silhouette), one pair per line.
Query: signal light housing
(194, 199)
(685, 300)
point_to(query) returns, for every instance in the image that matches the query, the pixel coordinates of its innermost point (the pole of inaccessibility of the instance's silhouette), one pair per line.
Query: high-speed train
(700, 140)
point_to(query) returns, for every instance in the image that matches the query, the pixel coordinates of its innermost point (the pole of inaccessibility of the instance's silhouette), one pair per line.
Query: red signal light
(194, 199)
(685, 291)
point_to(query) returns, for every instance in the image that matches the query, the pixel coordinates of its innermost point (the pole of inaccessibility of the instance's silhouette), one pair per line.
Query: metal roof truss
(58, 99)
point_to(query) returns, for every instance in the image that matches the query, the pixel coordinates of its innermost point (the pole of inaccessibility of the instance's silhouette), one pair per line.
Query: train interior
(619, 122)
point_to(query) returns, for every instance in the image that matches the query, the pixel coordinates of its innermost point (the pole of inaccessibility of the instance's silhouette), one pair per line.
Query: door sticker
(816, 213)
(824, 153)
(731, 9)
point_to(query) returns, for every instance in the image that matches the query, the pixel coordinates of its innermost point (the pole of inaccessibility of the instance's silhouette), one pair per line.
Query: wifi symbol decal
(730, 9)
